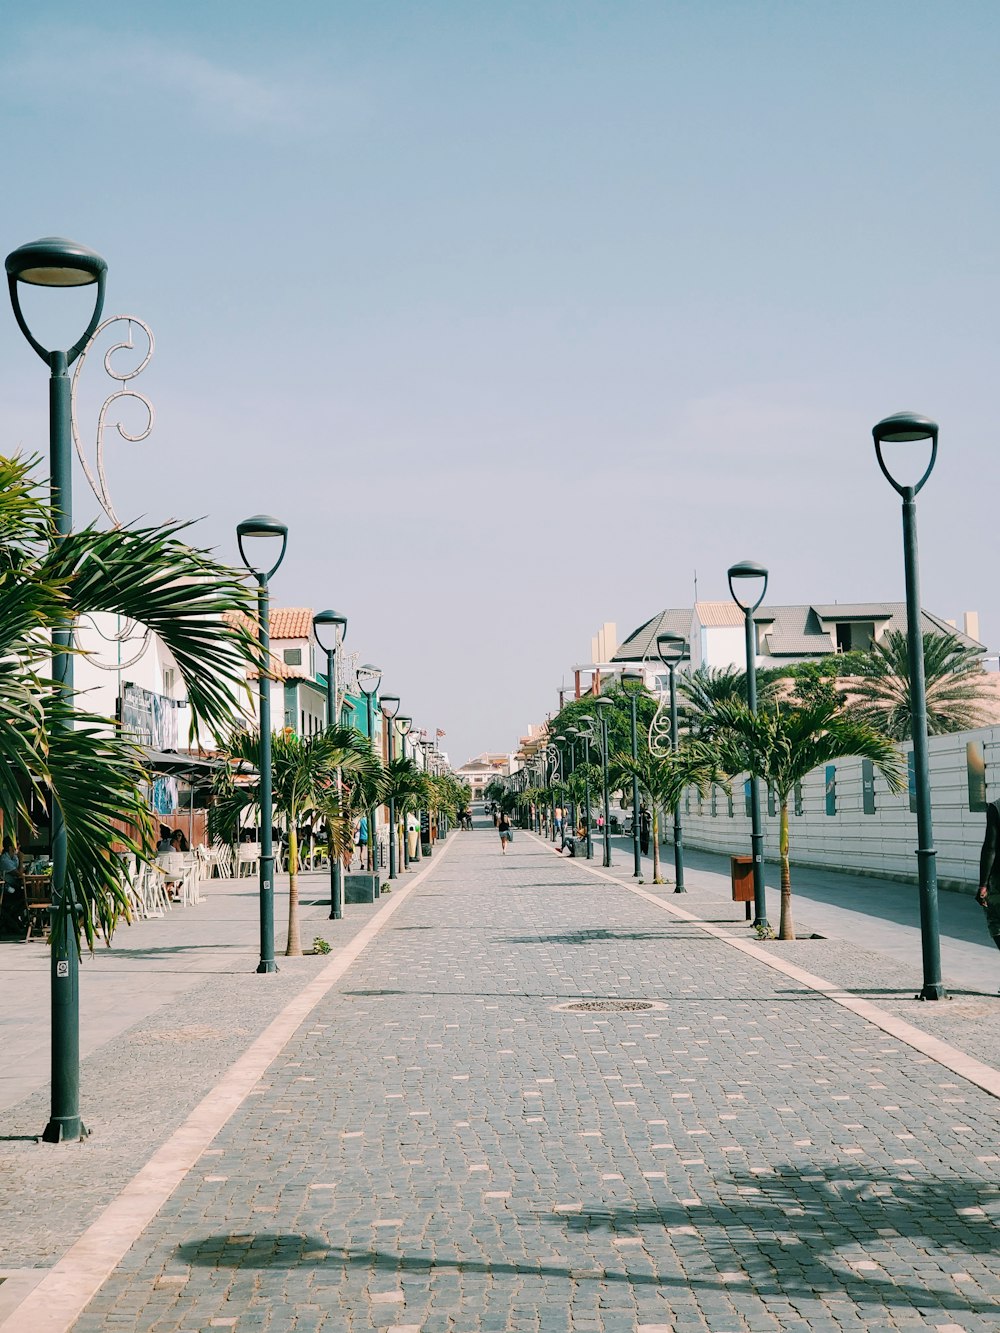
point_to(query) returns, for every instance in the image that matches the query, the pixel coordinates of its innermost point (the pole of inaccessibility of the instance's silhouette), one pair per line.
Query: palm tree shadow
(825, 1211)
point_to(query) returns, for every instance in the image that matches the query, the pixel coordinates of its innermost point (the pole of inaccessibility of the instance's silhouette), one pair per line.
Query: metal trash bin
(741, 873)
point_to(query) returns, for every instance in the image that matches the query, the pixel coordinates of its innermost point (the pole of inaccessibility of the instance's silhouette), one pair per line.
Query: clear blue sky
(519, 312)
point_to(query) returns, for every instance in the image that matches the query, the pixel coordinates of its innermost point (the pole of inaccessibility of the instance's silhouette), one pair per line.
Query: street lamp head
(56, 262)
(604, 704)
(632, 678)
(389, 705)
(261, 527)
(369, 678)
(745, 570)
(672, 648)
(404, 724)
(905, 428)
(330, 628)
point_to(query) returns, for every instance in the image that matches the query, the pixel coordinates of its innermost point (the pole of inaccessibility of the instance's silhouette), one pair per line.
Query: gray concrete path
(444, 1148)
(884, 913)
(150, 965)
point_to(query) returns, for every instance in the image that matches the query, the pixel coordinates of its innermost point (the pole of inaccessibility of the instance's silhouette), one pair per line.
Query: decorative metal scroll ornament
(127, 633)
(660, 743)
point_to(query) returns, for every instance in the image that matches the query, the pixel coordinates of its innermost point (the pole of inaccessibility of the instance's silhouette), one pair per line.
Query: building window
(292, 656)
(975, 767)
(831, 789)
(747, 805)
(687, 801)
(715, 801)
(855, 636)
(868, 786)
(797, 798)
(729, 800)
(168, 681)
(911, 782)
(772, 806)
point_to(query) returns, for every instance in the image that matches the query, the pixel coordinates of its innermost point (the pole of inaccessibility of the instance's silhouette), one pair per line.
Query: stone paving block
(744, 1205)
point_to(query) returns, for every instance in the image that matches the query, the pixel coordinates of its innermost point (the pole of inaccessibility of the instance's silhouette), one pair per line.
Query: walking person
(645, 829)
(988, 895)
(503, 827)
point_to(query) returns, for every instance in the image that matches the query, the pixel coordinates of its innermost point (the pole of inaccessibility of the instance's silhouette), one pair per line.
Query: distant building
(481, 771)
(715, 631)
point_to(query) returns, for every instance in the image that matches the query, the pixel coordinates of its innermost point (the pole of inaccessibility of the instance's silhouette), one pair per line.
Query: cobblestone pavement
(180, 1024)
(441, 1148)
(851, 951)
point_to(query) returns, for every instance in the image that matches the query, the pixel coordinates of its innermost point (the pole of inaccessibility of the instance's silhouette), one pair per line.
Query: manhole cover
(607, 1006)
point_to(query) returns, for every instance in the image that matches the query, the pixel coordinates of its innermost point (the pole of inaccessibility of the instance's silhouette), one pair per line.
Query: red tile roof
(291, 622)
(287, 622)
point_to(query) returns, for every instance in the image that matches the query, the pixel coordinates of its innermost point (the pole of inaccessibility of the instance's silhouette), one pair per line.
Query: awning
(170, 763)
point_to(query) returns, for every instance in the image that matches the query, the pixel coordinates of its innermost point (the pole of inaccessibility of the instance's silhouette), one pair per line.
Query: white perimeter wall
(880, 844)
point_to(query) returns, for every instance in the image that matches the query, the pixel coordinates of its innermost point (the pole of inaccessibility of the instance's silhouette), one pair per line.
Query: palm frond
(197, 606)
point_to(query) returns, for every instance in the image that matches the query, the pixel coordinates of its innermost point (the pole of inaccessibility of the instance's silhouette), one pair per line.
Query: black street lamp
(604, 706)
(330, 629)
(908, 428)
(389, 707)
(633, 679)
(551, 754)
(567, 739)
(264, 528)
(747, 570)
(572, 734)
(587, 735)
(673, 649)
(415, 743)
(369, 679)
(56, 262)
(404, 724)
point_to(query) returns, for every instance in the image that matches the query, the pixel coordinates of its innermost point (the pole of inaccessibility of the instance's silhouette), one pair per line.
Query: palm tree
(782, 744)
(405, 787)
(662, 780)
(53, 749)
(703, 689)
(304, 787)
(956, 686)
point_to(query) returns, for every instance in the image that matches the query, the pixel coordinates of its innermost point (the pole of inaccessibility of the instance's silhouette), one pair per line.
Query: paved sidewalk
(163, 1013)
(885, 913)
(441, 1148)
(151, 965)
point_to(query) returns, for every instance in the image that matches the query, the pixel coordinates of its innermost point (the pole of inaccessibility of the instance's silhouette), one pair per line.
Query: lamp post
(587, 735)
(604, 705)
(330, 629)
(551, 753)
(427, 746)
(56, 262)
(404, 724)
(749, 570)
(389, 707)
(673, 649)
(634, 678)
(571, 738)
(415, 745)
(369, 679)
(263, 527)
(908, 428)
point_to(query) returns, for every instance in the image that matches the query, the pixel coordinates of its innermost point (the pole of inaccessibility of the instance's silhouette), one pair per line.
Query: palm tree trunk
(657, 878)
(786, 930)
(294, 948)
